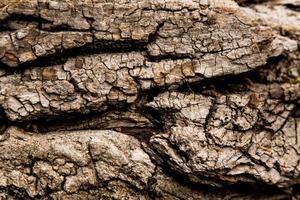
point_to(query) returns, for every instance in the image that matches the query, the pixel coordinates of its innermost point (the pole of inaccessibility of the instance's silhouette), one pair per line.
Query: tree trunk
(149, 99)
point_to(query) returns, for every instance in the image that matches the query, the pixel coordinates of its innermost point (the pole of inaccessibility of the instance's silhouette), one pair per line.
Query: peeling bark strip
(149, 99)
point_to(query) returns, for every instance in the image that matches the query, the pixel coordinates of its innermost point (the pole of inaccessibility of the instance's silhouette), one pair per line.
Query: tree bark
(149, 99)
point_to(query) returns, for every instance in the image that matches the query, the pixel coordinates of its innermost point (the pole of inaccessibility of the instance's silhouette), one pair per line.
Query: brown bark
(149, 99)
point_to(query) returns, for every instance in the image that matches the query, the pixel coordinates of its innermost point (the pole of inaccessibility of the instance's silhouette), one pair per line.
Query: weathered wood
(149, 99)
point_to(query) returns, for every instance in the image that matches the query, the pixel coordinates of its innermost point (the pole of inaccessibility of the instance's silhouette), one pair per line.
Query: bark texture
(149, 99)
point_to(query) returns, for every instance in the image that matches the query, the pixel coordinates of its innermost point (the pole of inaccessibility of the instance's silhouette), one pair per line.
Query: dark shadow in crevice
(111, 118)
(257, 189)
(233, 83)
(296, 111)
(16, 192)
(60, 57)
(293, 7)
(247, 3)
(296, 191)
(4, 24)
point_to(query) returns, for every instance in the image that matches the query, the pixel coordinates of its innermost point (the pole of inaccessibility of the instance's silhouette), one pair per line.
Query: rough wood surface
(149, 99)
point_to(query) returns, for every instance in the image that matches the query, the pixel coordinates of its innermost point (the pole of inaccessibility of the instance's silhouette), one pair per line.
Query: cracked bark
(149, 99)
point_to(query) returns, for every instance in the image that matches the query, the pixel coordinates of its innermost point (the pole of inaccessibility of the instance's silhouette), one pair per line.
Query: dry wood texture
(149, 99)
